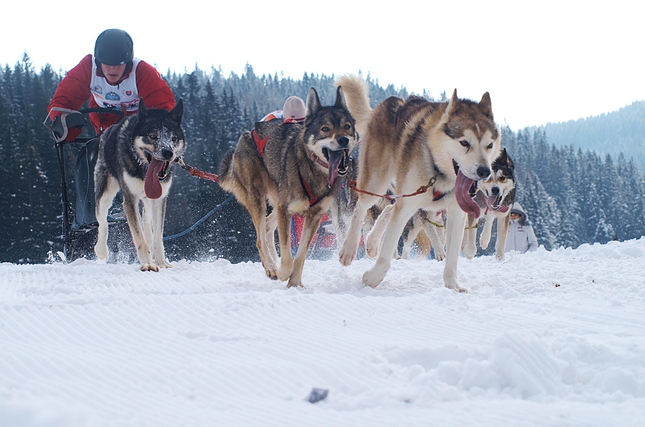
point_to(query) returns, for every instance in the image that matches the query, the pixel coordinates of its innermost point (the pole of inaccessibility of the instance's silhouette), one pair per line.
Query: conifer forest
(572, 195)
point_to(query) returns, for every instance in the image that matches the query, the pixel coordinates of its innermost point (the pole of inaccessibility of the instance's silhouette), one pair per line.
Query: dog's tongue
(490, 202)
(462, 192)
(335, 157)
(152, 184)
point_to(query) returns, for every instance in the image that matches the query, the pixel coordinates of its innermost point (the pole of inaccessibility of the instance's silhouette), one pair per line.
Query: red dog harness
(260, 144)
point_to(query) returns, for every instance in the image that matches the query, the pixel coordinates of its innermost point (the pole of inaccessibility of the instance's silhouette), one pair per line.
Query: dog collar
(437, 195)
(314, 158)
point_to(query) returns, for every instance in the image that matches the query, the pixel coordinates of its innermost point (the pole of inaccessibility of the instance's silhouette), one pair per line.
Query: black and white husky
(495, 198)
(137, 156)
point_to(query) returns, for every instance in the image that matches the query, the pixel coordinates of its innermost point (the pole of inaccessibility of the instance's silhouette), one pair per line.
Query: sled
(79, 224)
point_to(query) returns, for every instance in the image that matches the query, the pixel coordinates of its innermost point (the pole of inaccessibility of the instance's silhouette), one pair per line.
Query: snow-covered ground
(544, 339)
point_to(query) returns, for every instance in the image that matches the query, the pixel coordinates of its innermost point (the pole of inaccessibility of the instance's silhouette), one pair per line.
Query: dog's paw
(149, 267)
(101, 251)
(347, 254)
(470, 251)
(271, 271)
(455, 286)
(484, 238)
(164, 263)
(439, 255)
(483, 241)
(373, 277)
(499, 256)
(284, 273)
(293, 284)
(371, 246)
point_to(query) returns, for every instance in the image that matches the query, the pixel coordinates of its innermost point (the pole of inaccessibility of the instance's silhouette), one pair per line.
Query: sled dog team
(439, 159)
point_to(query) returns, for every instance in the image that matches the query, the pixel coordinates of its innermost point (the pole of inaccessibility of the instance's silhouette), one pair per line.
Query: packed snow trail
(543, 339)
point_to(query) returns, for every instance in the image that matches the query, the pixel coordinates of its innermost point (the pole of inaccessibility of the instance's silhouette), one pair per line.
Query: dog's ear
(313, 103)
(509, 161)
(341, 102)
(505, 160)
(502, 159)
(178, 111)
(501, 155)
(485, 106)
(452, 104)
(142, 108)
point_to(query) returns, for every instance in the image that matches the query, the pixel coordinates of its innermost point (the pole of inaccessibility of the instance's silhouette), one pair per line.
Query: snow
(544, 339)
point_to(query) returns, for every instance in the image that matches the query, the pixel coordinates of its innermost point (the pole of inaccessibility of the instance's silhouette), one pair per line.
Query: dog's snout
(166, 154)
(495, 191)
(343, 141)
(483, 172)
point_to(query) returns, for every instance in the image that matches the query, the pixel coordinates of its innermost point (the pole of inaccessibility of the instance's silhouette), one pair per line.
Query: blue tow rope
(215, 209)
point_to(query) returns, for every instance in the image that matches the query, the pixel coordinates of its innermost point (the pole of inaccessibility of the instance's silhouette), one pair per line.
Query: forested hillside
(610, 133)
(573, 196)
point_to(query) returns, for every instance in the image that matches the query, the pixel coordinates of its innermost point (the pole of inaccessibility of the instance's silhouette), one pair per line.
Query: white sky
(542, 62)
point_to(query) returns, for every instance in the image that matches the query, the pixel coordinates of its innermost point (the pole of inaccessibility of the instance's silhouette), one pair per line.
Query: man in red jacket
(111, 78)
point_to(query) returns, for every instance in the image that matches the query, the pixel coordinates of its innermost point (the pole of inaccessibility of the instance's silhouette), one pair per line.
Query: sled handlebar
(101, 110)
(72, 118)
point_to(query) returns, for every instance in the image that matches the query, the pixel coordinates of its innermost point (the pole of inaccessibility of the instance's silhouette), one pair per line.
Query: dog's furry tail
(356, 92)
(225, 172)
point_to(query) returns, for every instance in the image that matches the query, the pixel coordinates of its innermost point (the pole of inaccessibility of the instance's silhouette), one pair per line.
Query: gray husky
(137, 156)
(296, 169)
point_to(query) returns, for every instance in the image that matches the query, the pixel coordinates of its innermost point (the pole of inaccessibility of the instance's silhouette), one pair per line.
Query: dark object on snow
(317, 394)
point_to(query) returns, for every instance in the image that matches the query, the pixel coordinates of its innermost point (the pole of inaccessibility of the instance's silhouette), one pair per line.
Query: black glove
(68, 126)
(57, 127)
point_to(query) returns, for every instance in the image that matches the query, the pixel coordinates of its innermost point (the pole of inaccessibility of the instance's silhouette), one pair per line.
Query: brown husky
(296, 174)
(438, 148)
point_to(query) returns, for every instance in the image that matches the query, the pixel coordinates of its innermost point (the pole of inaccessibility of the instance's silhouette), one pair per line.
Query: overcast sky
(541, 62)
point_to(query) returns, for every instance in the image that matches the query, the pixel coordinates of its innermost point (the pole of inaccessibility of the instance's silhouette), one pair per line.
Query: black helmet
(113, 47)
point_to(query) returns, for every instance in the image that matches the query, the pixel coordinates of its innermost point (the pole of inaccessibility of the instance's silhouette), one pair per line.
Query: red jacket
(74, 90)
